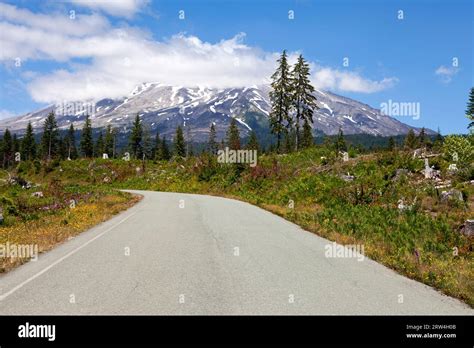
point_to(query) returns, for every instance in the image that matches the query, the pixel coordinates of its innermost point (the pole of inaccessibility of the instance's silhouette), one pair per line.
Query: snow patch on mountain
(196, 108)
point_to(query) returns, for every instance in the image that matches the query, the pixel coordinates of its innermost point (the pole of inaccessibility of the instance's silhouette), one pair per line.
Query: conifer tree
(303, 100)
(28, 144)
(156, 154)
(135, 140)
(438, 140)
(410, 140)
(147, 147)
(16, 144)
(87, 145)
(188, 143)
(99, 146)
(70, 142)
(50, 138)
(212, 143)
(422, 137)
(289, 140)
(7, 148)
(470, 109)
(307, 136)
(253, 142)
(109, 142)
(439, 137)
(391, 144)
(179, 144)
(233, 135)
(62, 148)
(280, 97)
(164, 151)
(340, 143)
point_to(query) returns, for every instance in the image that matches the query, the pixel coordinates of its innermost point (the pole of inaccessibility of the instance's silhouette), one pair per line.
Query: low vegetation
(380, 200)
(46, 211)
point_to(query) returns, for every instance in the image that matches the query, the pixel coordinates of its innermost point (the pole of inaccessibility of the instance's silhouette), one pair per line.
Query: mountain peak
(163, 108)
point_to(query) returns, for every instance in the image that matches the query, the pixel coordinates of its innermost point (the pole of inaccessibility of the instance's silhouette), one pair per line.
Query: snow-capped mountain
(162, 108)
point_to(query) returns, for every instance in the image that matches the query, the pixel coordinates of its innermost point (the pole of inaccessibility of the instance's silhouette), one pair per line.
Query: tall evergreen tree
(307, 139)
(7, 149)
(87, 145)
(438, 140)
(470, 109)
(422, 137)
(157, 147)
(280, 97)
(135, 140)
(28, 144)
(290, 141)
(99, 146)
(233, 135)
(164, 151)
(439, 137)
(410, 140)
(253, 142)
(303, 100)
(190, 149)
(327, 143)
(188, 143)
(340, 143)
(212, 143)
(16, 144)
(109, 142)
(50, 138)
(62, 148)
(147, 147)
(391, 144)
(70, 143)
(179, 144)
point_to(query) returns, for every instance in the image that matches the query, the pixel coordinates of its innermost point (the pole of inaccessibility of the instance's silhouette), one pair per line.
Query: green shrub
(8, 206)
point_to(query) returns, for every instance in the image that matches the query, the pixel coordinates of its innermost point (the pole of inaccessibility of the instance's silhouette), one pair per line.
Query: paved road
(212, 256)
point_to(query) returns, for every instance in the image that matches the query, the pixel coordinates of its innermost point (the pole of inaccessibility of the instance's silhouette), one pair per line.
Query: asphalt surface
(192, 254)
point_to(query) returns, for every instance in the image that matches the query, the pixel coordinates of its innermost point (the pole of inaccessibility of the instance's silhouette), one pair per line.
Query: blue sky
(403, 60)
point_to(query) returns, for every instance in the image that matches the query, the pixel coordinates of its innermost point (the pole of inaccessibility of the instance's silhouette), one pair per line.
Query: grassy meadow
(353, 202)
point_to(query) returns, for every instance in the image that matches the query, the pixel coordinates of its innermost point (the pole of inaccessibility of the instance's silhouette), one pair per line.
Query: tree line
(141, 145)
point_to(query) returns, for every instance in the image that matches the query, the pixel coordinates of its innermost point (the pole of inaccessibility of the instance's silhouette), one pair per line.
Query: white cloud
(181, 60)
(122, 8)
(333, 79)
(446, 73)
(56, 36)
(60, 23)
(119, 58)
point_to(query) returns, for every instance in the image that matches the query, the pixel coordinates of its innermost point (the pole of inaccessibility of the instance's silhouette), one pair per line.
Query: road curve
(176, 253)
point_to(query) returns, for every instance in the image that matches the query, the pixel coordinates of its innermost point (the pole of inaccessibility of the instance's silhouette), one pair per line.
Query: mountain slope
(163, 108)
